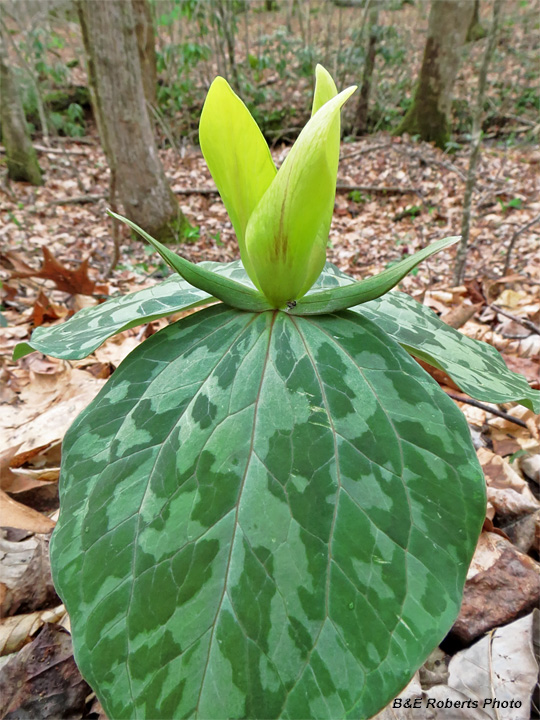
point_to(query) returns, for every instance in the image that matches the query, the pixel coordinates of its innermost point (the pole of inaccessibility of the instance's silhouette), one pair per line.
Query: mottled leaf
(264, 517)
(476, 367)
(345, 296)
(79, 336)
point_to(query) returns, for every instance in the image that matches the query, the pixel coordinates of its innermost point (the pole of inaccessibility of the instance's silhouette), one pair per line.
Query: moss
(173, 231)
(424, 118)
(22, 164)
(61, 99)
(427, 122)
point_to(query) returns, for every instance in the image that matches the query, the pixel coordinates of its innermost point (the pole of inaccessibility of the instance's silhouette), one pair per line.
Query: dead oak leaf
(74, 282)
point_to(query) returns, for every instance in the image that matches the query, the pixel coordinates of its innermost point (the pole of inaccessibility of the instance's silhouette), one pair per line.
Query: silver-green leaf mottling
(264, 517)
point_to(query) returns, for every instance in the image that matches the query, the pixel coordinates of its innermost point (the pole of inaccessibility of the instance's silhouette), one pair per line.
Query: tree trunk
(363, 101)
(449, 21)
(476, 30)
(146, 44)
(115, 78)
(21, 158)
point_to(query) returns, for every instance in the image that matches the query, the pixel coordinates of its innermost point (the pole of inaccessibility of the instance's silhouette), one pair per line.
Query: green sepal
(228, 291)
(341, 298)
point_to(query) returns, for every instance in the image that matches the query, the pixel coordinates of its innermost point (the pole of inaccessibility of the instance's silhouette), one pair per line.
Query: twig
(196, 191)
(521, 321)
(363, 151)
(78, 200)
(513, 242)
(380, 189)
(115, 224)
(486, 408)
(59, 151)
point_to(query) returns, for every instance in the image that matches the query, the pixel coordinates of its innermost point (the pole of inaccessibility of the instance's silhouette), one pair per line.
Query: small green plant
(513, 204)
(358, 197)
(270, 508)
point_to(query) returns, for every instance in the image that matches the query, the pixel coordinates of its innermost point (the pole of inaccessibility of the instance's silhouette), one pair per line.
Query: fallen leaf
(17, 515)
(74, 282)
(45, 310)
(458, 315)
(25, 572)
(17, 631)
(502, 584)
(42, 680)
(501, 666)
(507, 491)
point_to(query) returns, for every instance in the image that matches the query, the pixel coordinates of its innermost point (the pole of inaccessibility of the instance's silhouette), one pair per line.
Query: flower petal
(325, 88)
(237, 155)
(287, 233)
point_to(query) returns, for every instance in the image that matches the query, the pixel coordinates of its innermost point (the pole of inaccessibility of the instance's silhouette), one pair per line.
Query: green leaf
(79, 336)
(265, 517)
(325, 90)
(90, 327)
(287, 233)
(237, 155)
(229, 291)
(476, 367)
(345, 296)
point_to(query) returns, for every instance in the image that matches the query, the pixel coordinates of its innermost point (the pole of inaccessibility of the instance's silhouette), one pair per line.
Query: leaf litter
(60, 266)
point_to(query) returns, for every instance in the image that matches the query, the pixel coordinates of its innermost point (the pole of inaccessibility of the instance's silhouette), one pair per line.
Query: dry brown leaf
(117, 348)
(74, 282)
(502, 583)
(43, 418)
(25, 573)
(45, 310)
(17, 631)
(507, 491)
(16, 515)
(458, 315)
(42, 680)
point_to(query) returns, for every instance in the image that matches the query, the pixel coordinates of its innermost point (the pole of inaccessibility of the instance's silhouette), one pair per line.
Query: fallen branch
(364, 151)
(487, 408)
(78, 200)
(521, 321)
(428, 159)
(59, 151)
(513, 242)
(196, 191)
(380, 189)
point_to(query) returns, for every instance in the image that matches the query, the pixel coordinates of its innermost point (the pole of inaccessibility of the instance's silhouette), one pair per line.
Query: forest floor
(394, 197)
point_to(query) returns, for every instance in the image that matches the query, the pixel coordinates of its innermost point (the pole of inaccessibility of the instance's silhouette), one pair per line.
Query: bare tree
(476, 141)
(146, 44)
(115, 79)
(449, 21)
(362, 108)
(21, 158)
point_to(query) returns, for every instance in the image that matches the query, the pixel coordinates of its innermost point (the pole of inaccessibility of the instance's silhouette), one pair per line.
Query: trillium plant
(270, 508)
